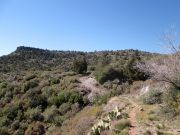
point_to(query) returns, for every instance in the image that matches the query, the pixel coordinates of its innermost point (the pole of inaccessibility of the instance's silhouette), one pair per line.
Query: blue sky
(86, 25)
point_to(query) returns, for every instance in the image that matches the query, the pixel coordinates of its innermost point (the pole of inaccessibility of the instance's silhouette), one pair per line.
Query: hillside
(41, 92)
(27, 58)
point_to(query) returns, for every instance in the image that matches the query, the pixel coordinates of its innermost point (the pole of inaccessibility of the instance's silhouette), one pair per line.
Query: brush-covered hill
(28, 58)
(40, 93)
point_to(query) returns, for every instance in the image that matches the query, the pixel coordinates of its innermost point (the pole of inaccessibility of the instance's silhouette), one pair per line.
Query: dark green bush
(4, 121)
(54, 81)
(32, 92)
(11, 111)
(103, 74)
(16, 90)
(38, 101)
(30, 84)
(2, 92)
(76, 97)
(64, 97)
(34, 114)
(124, 71)
(80, 66)
(58, 100)
(132, 72)
(3, 85)
(4, 131)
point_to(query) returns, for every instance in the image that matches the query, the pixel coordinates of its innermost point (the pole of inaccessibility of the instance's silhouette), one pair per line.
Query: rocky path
(132, 115)
(133, 121)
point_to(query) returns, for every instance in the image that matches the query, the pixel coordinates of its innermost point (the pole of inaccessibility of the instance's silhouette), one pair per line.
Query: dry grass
(81, 123)
(155, 121)
(143, 116)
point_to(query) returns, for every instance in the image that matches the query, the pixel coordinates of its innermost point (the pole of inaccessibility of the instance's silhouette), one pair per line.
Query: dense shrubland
(33, 101)
(124, 70)
(39, 89)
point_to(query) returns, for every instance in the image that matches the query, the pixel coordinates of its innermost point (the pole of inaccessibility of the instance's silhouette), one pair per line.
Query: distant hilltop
(24, 48)
(29, 58)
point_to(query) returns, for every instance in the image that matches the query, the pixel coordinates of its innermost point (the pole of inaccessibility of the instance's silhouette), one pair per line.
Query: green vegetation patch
(122, 124)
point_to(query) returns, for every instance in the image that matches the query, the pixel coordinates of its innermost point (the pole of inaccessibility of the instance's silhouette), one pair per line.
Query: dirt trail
(133, 121)
(91, 84)
(132, 116)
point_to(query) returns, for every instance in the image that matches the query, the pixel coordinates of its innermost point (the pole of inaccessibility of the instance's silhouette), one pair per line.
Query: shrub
(17, 90)
(57, 100)
(64, 108)
(122, 124)
(36, 128)
(23, 126)
(2, 92)
(11, 111)
(4, 131)
(38, 101)
(30, 84)
(76, 97)
(19, 132)
(15, 125)
(58, 120)
(4, 121)
(32, 92)
(171, 102)
(99, 100)
(64, 97)
(50, 114)
(3, 85)
(34, 114)
(54, 81)
(153, 96)
(75, 108)
(132, 72)
(47, 92)
(103, 74)
(80, 66)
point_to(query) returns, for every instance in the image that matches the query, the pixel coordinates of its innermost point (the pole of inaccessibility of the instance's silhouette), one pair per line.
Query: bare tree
(165, 68)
